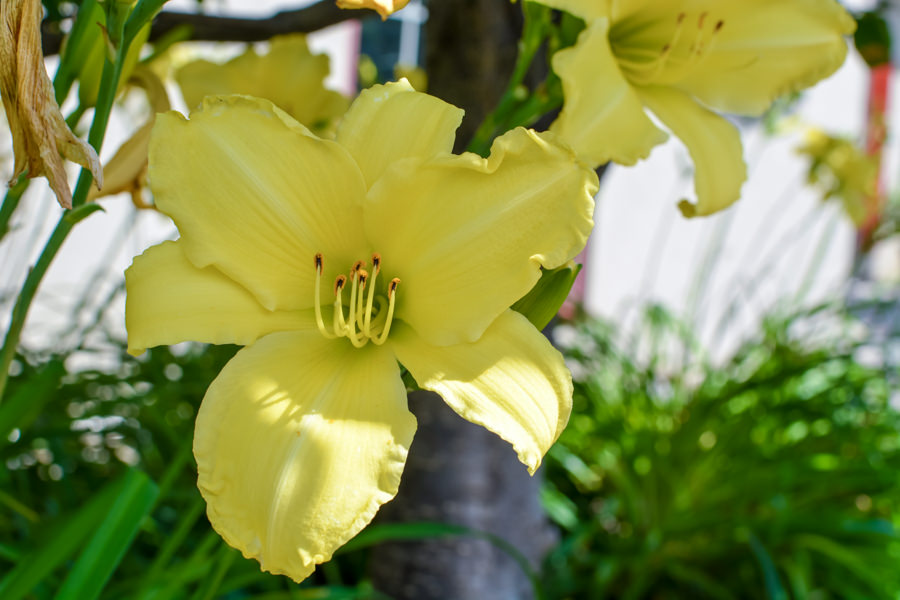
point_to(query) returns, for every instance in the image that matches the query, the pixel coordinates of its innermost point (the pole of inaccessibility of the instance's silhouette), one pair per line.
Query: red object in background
(876, 133)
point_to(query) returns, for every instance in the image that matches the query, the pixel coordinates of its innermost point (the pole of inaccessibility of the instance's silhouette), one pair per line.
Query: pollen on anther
(376, 261)
(363, 275)
(339, 284)
(392, 287)
(357, 266)
(319, 261)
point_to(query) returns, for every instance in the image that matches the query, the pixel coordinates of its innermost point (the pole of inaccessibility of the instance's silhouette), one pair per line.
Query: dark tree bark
(470, 51)
(462, 474)
(458, 472)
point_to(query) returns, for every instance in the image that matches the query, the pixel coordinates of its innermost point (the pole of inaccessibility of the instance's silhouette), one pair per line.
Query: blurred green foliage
(772, 476)
(95, 427)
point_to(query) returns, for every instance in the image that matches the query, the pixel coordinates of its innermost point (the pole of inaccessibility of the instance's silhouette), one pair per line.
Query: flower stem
(10, 202)
(109, 83)
(534, 32)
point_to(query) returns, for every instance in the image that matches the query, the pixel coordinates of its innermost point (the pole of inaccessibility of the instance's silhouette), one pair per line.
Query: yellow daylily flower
(842, 170)
(302, 95)
(41, 138)
(683, 60)
(304, 433)
(385, 8)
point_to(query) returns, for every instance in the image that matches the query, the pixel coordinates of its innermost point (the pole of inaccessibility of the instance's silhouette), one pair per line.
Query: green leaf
(24, 406)
(391, 532)
(774, 588)
(111, 539)
(68, 535)
(542, 303)
(143, 13)
(77, 48)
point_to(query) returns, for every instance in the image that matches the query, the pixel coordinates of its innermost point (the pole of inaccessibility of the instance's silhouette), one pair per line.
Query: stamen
(369, 314)
(367, 322)
(363, 276)
(340, 326)
(320, 323)
(351, 321)
(392, 297)
(676, 58)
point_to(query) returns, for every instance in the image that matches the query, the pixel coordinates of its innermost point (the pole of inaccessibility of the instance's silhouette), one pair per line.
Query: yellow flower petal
(467, 235)
(384, 8)
(126, 171)
(255, 194)
(512, 381)
(714, 145)
(390, 122)
(303, 95)
(41, 138)
(169, 300)
(602, 118)
(768, 48)
(298, 442)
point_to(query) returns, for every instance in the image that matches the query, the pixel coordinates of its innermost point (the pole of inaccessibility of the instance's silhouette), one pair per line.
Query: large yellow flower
(683, 60)
(304, 434)
(288, 74)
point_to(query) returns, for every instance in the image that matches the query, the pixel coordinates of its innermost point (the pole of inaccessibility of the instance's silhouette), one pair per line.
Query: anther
(339, 284)
(718, 26)
(368, 312)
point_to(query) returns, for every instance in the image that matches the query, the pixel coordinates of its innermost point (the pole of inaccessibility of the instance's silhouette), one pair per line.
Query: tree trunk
(462, 474)
(458, 472)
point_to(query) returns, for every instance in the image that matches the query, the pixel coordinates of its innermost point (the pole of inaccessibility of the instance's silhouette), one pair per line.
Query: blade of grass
(26, 404)
(111, 539)
(774, 588)
(392, 532)
(69, 535)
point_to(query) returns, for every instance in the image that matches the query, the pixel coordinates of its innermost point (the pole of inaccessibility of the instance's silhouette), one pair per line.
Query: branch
(232, 29)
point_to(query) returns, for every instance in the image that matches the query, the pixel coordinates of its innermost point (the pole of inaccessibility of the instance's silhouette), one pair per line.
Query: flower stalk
(108, 87)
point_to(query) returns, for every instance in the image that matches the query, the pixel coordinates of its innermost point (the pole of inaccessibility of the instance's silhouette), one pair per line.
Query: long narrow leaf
(774, 588)
(24, 406)
(377, 534)
(112, 538)
(69, 535)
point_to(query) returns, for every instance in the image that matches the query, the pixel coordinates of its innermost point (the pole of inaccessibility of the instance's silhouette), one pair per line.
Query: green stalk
(534, 33)
(10, 202)
(109, 83)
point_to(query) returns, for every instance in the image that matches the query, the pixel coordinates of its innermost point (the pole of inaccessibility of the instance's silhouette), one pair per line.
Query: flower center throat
(369, 314)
